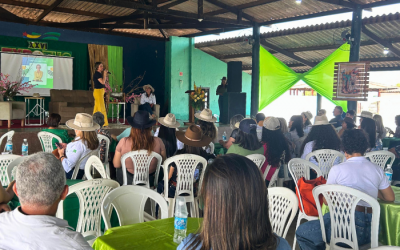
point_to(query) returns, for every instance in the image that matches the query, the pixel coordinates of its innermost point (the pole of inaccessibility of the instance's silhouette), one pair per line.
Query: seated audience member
(53, 121)
(321, 112)
(284, 127)
(276, 147)
(322, 136)
(84, 142)
(194, 141)
(148, 100)
(369, 127)
(337, 121)
(40, 186)
(351, 114)
(397, 121)
(98, 118)
(205, 120)
(234, 123)
(396, 165)
(166, 132)
(140, 138)
(358, 173)
(348, 123)
(246, 142)
(296, 134)
(365, 114)
(380, 128)
(307, 116)
(5, 196)
(234, 217)
(260, 117)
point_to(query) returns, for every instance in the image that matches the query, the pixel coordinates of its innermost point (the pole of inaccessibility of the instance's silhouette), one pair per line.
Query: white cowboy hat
(36, 95)
(82, 122)
(206, 115)
(272, 124)
(169, 121)
(321, 120)
(308, 115)
(148, 86)
(366, 114)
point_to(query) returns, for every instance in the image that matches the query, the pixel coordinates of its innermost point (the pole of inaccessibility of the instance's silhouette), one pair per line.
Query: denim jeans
(309, 234)
(79, 176)
(146, 107)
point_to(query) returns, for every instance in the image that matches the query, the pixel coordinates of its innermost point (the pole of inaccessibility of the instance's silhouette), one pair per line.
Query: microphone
(109, 72)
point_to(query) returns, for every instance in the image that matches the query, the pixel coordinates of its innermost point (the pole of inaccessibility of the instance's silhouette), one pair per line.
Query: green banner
(115, 61)
(276, 78)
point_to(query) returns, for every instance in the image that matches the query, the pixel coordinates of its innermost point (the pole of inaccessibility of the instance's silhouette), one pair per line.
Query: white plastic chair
(338, 129)
(128, 202)
(326, 158)
(94, 162)
(282, 203)
(299, 168)
(210, 148)
(9, 136)
(91, 194)
(342, 202)
(186, 165)
(5, 161)
(46, 140)
(381, 157)
(84, 158)
(11, 169)
(141, 162)
(258, 159)
(106, 163)
(274, 177)
(286, 176)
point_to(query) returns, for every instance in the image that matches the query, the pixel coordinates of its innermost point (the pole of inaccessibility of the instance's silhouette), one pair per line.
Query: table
(38, 110)
(389, 233)
(390, 142)
(112, 111)
(152, 235)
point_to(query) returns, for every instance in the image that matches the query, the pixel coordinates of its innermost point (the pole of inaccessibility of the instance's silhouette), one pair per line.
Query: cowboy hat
(169, 121)
(366, 114)
(321, 120)
(206, 115)
(193, 136)
(82, 122)
(272, 124)
(148, 86)
(141, 120)
(308, 115)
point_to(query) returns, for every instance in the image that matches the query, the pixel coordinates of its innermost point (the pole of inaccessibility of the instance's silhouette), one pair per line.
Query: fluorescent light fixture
(385, 51)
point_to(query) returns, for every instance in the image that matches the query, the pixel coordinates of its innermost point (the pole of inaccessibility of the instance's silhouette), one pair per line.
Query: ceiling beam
(172, 4)
(231, 9)
(48, 10)
(155, 26)
(341, 3)
(98, 22)
(143, 7)
(241, 7)
(381, 41)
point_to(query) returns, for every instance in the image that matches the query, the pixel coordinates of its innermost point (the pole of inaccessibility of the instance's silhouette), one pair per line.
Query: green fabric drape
(115, 59)
(276, 78)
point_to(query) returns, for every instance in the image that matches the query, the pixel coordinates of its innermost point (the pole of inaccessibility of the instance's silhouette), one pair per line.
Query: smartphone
(59, 145)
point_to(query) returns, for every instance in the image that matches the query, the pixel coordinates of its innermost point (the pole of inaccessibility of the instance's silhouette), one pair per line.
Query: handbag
(305, 187)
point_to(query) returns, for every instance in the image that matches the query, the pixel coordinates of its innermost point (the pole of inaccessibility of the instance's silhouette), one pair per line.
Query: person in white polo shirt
(358, 173)
(40, 186)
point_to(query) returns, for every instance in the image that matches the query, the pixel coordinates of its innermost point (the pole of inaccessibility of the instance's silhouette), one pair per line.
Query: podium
(191, 110)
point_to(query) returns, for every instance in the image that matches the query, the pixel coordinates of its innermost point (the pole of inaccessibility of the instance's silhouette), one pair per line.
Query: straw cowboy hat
(308, 115)
(272, 124)
(321, 120)
(194, 137)
(82, 122)
(366, 114)
(206, 115)
(148, 86)
(169, 121)
(141, 120)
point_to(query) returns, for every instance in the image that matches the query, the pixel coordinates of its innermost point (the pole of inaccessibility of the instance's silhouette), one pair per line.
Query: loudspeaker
(232, 104)
(235, 77)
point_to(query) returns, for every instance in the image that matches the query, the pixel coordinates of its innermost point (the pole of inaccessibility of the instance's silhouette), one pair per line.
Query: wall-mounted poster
(351, 81)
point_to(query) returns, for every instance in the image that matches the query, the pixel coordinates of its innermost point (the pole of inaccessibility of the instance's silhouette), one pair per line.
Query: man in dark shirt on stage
(337, 121)
(221, 89)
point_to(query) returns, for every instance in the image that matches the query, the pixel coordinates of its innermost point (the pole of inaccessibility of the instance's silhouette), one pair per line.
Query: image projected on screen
(38, 71)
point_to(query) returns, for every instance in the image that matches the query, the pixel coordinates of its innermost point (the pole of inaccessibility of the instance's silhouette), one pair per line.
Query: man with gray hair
(40, 186)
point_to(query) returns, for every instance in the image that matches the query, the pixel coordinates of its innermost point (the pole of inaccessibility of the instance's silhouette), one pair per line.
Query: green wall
(196, 66)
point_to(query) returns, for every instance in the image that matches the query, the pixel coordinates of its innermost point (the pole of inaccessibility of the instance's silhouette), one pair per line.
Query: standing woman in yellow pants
(99, 79)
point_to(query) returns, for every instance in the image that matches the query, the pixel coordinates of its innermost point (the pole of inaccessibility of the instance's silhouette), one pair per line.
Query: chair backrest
(91, 194)
(388, 130)
(342, 202)
(83, 158)
(46, 140)
(11, 169)
(299, 168)
(5, 161)
(141, 162)
(283, 206)
(105, 138)
(9, 136)
(258, 159)
(338, 129)
(326, 158)
(129, 202)
(381, 157)
(186, 165)
(95, 162)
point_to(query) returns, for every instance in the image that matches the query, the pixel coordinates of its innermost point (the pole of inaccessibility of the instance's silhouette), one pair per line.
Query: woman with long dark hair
(296, 134)
(166, 132)
(205, 120)
(380, 128)
(246, 142)
(369, 127)
(347, 123)
(276, 147)
(234, 217)
(322, 136)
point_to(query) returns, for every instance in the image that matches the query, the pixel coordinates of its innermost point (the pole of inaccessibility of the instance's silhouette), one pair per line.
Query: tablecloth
(390, 142)
(219, 150)
(152, 235)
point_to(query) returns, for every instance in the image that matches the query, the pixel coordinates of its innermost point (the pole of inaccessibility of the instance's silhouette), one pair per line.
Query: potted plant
(9, 89)
(197, 98)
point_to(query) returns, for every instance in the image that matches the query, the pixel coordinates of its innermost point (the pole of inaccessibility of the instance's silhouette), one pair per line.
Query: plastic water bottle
(180, 223)
(9, 146)
(224, 136)
(389, 173)
(25, 148)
